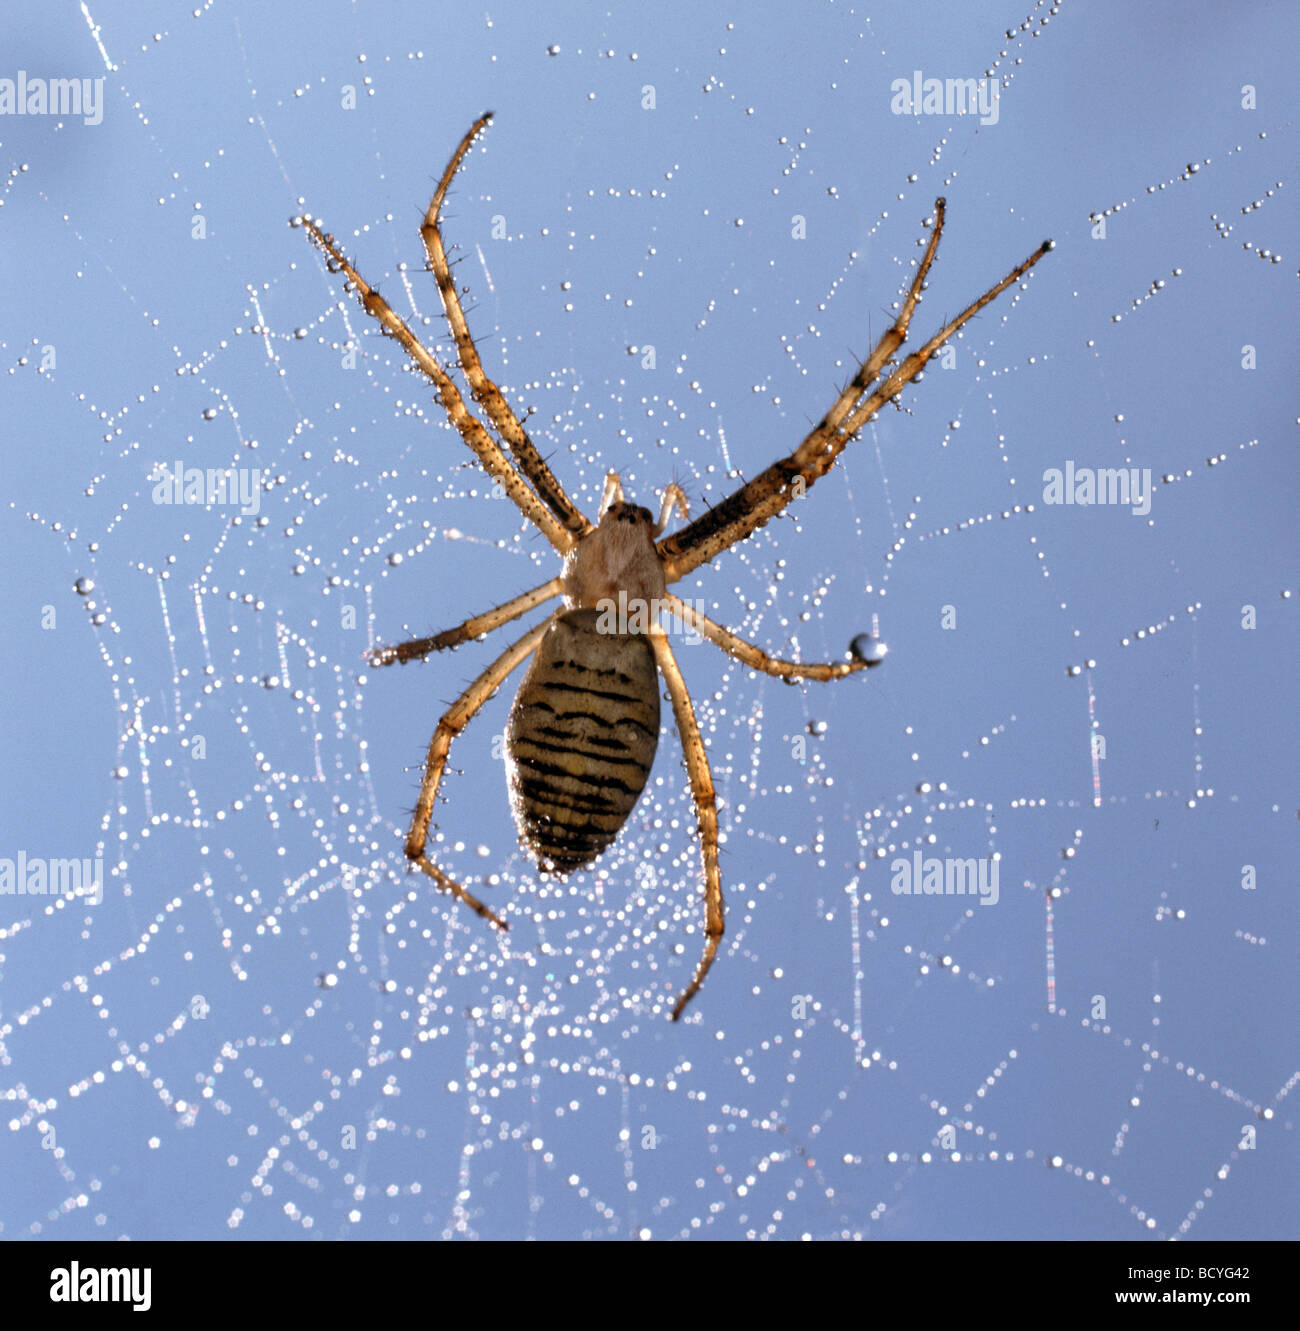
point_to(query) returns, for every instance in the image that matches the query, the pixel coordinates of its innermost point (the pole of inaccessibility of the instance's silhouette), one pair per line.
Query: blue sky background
(268, 1028)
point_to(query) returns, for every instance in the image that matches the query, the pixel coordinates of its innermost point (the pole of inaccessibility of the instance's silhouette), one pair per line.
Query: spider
(584, 727)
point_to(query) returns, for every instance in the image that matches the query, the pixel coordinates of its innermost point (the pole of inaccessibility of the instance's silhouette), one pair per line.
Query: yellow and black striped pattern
(581, 739)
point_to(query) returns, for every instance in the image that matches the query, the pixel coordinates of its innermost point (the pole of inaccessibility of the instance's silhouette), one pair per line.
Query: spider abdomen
(581, 739)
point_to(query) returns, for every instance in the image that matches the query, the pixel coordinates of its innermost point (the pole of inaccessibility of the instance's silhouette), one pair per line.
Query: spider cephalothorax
(585, 724)
(619, 555)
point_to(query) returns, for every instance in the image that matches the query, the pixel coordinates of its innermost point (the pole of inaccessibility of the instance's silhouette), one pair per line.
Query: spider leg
(916, 362)
(471, 429)
(485, 391)
(454, 720)
(755, 657)
(706, 808)
(893, 337)
(418, 648)
(748, 508)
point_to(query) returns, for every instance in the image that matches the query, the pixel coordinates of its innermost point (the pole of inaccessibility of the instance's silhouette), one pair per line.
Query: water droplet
(867, 647)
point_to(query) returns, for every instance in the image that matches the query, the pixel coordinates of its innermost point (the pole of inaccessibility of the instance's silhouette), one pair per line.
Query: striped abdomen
(581, 739)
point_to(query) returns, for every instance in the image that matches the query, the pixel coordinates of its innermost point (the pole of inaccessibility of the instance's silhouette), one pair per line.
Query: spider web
(268, 1028)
